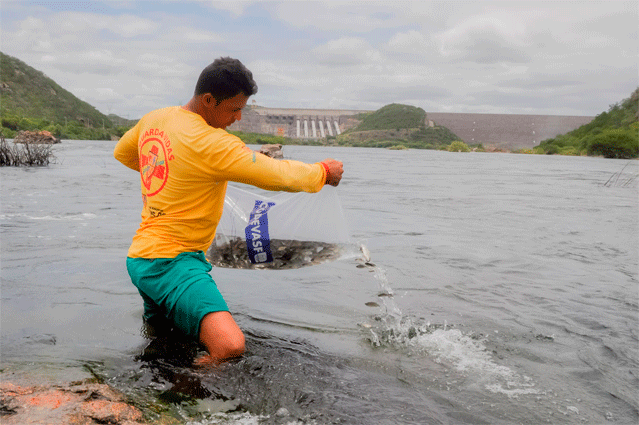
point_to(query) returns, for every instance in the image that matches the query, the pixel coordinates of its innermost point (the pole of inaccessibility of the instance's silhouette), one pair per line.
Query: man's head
(225, 78)
(222, 91)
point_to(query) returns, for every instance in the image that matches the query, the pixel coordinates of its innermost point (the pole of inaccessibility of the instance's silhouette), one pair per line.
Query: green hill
(397, 126)
(32, 101)
(393, 116)
(612, 134)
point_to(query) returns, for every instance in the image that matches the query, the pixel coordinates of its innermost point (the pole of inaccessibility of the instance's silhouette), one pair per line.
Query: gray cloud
(504, 57)
(487, 49)
(540, 83)
(398, 94)
(346, 51)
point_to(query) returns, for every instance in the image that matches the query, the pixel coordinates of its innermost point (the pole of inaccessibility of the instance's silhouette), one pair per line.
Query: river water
(513, 283)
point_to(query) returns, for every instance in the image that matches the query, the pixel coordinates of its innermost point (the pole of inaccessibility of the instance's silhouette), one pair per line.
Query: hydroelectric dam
(504, 131)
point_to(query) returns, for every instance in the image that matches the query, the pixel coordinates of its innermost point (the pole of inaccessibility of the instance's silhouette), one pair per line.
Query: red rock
(43, 136)
(104, 411)
(78, 404)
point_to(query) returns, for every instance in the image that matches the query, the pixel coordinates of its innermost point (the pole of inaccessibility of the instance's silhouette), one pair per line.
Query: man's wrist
(326, 169)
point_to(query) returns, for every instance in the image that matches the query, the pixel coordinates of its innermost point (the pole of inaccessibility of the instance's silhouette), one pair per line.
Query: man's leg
(187, 292)
(154, 321)
(222, 338)
(154, 318)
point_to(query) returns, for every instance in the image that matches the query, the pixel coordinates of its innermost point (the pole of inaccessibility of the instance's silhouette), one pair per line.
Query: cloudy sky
(503, 57)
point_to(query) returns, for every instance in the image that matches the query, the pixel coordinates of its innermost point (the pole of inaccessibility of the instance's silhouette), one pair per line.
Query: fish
(366, 254)
(287, 254)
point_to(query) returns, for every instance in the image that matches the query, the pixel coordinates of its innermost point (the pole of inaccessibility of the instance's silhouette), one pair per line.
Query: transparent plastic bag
(279, 230)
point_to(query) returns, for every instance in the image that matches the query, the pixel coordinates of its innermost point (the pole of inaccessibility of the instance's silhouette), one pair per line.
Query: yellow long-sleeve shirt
(184, 167)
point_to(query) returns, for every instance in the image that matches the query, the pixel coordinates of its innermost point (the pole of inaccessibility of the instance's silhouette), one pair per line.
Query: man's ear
(210, 99)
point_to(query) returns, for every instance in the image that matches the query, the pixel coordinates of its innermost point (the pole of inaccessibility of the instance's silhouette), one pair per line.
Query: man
(185, 159)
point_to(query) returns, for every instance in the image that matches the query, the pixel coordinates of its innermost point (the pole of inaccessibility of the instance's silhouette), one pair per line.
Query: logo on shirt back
(155, 151)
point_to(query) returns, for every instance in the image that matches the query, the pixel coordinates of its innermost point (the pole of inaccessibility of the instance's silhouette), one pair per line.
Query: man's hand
(334, 170)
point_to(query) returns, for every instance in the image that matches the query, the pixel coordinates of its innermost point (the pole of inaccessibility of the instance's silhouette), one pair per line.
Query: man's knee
(221, 336)
(235, 345)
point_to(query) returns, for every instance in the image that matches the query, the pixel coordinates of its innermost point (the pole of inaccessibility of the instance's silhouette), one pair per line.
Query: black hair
(226, 78)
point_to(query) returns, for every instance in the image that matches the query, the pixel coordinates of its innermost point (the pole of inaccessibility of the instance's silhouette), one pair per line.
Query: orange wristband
(325, 168)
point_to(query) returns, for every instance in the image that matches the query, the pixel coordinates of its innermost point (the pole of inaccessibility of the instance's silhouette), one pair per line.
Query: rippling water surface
(504, 290)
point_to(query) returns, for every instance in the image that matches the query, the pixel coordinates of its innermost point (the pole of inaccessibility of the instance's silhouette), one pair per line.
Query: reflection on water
(495, 289)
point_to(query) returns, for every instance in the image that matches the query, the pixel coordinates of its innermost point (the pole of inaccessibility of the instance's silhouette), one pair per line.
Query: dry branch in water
(626, 181)
(30, 154)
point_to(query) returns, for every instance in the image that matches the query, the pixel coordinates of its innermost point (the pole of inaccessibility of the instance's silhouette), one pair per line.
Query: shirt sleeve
(241, 164)
(126, 150)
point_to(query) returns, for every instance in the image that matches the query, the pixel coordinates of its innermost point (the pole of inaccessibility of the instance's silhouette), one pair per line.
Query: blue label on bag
(258, 242)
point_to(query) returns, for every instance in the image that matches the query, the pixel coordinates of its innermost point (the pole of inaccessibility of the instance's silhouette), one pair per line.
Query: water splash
(391, 327)
(245, 418)
(446, 345)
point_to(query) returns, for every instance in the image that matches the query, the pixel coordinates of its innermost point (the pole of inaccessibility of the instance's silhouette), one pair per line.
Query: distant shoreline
(514, 152)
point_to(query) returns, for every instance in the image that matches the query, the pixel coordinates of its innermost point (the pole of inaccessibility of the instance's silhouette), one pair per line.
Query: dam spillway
(296, 123)
(314, 131)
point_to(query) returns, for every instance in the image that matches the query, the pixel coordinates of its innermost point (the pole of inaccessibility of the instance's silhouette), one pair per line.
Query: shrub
(569, 150)
(458, 146)
(615, 143)
(551, 149)
(9, 133)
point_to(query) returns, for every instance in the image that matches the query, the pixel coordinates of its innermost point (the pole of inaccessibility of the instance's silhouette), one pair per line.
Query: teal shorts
(179, 289)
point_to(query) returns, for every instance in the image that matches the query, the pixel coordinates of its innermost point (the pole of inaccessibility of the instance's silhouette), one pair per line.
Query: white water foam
(79, 216)
(245, 418)
(468, 355)
(230, 418)
(451, 347)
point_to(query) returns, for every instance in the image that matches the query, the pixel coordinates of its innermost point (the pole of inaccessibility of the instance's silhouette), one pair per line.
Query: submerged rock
(287, 254)
(39, 137)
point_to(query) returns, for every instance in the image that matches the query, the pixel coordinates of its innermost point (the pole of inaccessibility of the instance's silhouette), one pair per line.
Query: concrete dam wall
(507, 131)
(499, 130)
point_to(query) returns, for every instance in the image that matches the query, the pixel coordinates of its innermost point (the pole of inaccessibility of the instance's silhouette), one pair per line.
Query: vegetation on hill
(396, 126)
(29, 100)
(612, 134)
(393, 116)
(458, 146)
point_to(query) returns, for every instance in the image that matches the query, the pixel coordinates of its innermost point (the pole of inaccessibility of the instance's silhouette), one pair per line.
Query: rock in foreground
(81, 403)
(274, 151)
